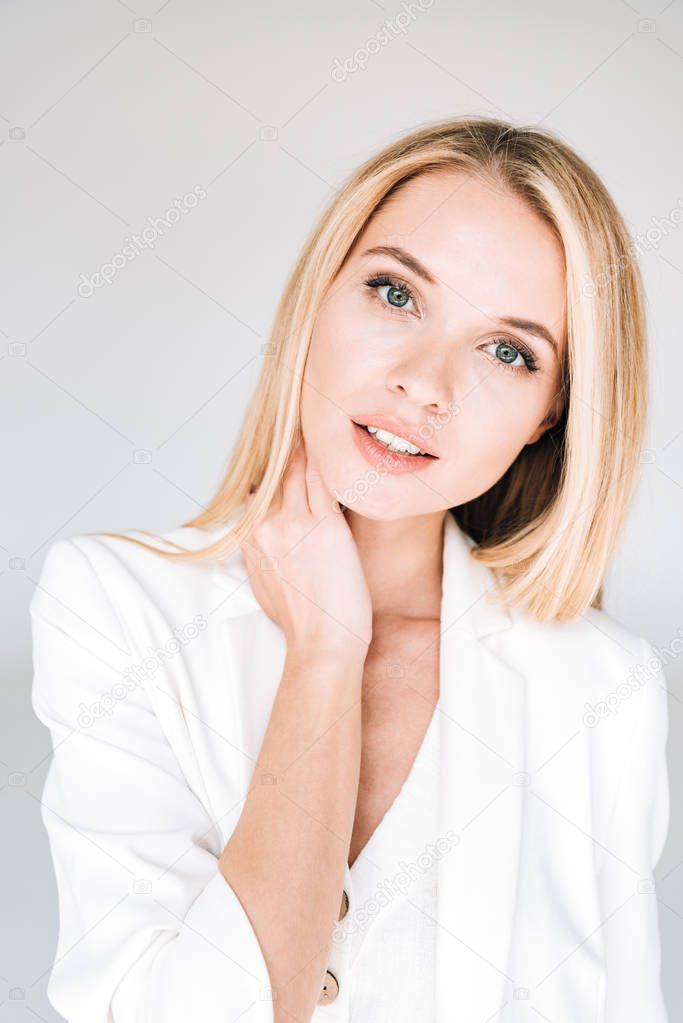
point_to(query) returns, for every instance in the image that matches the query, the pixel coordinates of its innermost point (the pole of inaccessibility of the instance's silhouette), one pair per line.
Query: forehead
(489, 250)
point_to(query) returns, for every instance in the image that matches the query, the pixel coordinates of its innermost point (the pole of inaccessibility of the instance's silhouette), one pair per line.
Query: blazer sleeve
(149, 929)
(636, 837)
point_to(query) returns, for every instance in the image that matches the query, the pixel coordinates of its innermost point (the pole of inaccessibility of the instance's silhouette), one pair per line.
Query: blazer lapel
(254, 649)
(482, 790)
(482, 702)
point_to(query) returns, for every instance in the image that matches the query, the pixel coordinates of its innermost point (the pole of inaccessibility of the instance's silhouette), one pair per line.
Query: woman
(336, 749)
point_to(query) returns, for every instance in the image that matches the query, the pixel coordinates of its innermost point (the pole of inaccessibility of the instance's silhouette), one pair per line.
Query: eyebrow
(418, 268)
(530, 327)
(403, 257)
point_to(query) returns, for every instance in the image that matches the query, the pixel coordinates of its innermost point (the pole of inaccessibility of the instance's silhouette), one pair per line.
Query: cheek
(339, 355)
(496, 420)
(328, 377)
(517, 399)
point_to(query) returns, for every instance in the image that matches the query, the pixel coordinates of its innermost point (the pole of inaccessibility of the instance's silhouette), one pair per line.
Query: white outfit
(383, 951)
(157, 679)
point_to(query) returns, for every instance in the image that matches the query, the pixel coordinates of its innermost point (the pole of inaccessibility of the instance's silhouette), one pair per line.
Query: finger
(276, 501)
(294, 500)
(320, 500)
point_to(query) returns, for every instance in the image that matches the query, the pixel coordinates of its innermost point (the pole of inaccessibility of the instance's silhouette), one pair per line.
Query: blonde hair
(550, 524)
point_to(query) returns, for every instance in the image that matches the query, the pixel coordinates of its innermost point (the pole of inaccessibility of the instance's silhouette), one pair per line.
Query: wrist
(322, 651)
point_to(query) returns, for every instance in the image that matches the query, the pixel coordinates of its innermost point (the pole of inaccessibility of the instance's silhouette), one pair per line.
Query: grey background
(119, 408)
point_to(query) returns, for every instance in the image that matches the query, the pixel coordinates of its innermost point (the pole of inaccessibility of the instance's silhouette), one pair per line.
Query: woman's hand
(305, 569)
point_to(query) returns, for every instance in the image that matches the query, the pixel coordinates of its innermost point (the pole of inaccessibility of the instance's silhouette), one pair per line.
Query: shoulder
(107, 612)
(99, 575)
(590, 669)
(593, 677)
(593, 646)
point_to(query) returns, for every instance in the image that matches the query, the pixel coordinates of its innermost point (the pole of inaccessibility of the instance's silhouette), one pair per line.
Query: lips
(398, 427)
(384, 460)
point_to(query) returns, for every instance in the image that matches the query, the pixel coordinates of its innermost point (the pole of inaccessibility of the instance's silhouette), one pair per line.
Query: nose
(423, 379)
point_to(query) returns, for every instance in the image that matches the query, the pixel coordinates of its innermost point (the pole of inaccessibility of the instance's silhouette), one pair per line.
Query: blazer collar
(467, 587)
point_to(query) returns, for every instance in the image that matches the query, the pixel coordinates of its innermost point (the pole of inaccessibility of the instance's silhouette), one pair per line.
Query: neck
(402, 562)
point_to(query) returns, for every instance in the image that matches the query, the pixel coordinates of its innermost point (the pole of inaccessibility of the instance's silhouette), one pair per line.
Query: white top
(157, 680)
(382, 951)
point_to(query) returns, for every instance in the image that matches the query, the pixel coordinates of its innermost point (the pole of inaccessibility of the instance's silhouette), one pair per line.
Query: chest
(400, 691)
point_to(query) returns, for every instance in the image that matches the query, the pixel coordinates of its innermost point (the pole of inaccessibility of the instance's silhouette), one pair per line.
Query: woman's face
(436, 354)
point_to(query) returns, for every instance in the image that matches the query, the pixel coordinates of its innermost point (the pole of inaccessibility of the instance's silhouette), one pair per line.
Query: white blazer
(157, 681)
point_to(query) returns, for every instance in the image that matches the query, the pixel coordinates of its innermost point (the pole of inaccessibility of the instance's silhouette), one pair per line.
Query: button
(330, 989)
(344, 908)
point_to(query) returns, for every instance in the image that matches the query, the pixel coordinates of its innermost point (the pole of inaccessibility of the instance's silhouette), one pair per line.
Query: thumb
(319, 497)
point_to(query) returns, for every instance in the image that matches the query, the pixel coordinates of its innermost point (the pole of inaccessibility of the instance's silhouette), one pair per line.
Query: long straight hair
(549, 526)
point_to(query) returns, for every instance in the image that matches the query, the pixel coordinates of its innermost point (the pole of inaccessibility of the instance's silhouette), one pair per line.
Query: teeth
(393, 442)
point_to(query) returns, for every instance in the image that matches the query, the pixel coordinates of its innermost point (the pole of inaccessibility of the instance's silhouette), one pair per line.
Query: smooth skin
(357, 590)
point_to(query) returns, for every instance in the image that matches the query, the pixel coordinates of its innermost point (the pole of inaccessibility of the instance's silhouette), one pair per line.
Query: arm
(637, 833)
(150, 929)
(286, 857)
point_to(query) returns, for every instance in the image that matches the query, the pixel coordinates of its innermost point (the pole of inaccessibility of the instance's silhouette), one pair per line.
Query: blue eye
(507, 354)
(398, 294)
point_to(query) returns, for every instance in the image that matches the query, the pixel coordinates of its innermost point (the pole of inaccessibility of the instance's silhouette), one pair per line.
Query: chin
(375, 504)
(385, 515)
